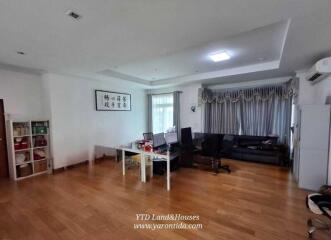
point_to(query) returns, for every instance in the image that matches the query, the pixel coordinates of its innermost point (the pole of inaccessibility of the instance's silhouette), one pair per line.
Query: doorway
(3, 145)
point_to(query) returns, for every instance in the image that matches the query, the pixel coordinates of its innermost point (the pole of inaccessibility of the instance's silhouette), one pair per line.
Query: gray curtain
(260, 111)
(177, 112)
(222, 117)
(257, 115)
(282, 119)
(269, 117)
(149, 113)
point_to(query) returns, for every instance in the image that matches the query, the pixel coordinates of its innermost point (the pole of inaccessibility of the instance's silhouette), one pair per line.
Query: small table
(153, 154)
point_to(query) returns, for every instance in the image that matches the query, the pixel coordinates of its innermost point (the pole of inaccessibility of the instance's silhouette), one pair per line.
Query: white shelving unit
(28, 148)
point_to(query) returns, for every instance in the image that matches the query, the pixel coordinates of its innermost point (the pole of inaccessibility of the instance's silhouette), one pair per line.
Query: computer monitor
(171, 137)
(158, 140)
(148, 136)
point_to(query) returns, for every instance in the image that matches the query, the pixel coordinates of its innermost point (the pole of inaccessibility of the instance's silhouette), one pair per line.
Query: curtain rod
(248, 87)
(164, 93)
(257, 85)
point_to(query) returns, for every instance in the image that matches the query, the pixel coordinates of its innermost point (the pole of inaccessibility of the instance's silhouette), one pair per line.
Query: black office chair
(319, 203)
(198, 139)
(212, 147)
(148, 136)
(227, 145)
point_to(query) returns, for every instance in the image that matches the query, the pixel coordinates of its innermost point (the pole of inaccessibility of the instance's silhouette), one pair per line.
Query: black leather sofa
(250, 148)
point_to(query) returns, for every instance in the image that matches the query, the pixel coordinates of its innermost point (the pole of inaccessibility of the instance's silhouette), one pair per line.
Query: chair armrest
(323, 205)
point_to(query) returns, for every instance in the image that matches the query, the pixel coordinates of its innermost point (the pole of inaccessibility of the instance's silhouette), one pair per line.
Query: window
(162, 112)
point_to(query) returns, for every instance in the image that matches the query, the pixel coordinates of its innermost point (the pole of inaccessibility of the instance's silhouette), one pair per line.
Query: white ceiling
(157, 42)
(262, 44)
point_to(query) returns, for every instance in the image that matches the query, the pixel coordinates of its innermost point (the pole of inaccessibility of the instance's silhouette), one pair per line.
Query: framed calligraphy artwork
(112, 101)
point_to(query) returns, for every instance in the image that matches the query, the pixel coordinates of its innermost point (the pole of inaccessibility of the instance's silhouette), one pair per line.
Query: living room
(165, 119)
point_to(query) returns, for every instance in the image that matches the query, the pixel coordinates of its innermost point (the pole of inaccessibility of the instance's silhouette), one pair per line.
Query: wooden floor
(254, 202)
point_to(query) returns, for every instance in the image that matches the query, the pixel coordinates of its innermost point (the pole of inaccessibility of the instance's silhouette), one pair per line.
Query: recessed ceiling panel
(259, 45)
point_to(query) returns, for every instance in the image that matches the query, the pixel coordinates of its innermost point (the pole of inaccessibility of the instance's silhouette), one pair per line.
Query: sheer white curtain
(162, 112)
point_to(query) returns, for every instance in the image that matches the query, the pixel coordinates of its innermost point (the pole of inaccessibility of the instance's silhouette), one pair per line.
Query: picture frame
(112, 101)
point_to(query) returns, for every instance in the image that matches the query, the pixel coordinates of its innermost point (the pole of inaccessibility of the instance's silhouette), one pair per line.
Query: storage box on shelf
(40, 166)
(21, 143)
(21, 129)
(29, 152)
(22, 157)
(39, 141)
(24, 170)
(39, 128)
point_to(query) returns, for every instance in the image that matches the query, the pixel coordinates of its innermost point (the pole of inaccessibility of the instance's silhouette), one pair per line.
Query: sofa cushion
(246, 143)
(266, 147)
(255, 151)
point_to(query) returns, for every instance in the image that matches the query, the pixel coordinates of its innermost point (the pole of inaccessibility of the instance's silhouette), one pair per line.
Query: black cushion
(254, 151)
(246, 143)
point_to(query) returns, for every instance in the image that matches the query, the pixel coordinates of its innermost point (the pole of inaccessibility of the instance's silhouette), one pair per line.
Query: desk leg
(168, 171)
(151, 159)
(143, 167)
(123, 162)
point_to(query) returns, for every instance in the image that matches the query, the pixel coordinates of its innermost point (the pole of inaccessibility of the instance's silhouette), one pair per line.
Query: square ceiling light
(219, 56)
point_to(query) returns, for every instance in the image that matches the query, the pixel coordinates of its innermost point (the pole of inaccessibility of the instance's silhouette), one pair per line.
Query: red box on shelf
(17, 146)
(37, 157)
(24, 145)
(40, 141)
(21, 143)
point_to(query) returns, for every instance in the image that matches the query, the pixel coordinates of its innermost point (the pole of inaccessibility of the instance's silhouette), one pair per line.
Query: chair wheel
(311, 230)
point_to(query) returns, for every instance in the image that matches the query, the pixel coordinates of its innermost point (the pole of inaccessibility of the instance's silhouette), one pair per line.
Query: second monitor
(158, 140)
(171, 138)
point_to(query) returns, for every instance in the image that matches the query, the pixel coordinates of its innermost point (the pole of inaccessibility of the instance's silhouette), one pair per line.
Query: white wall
(77, 127)
(22, 95)
(321, 91)
(189, 98)
(306, 90)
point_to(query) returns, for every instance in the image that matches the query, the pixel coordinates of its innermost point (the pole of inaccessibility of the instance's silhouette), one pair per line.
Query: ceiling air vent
(73, 14)
(314, 77)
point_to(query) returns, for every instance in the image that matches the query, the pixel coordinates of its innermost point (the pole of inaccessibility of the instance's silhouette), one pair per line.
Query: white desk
(165, 157)
(142, 160)
(133, 149)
